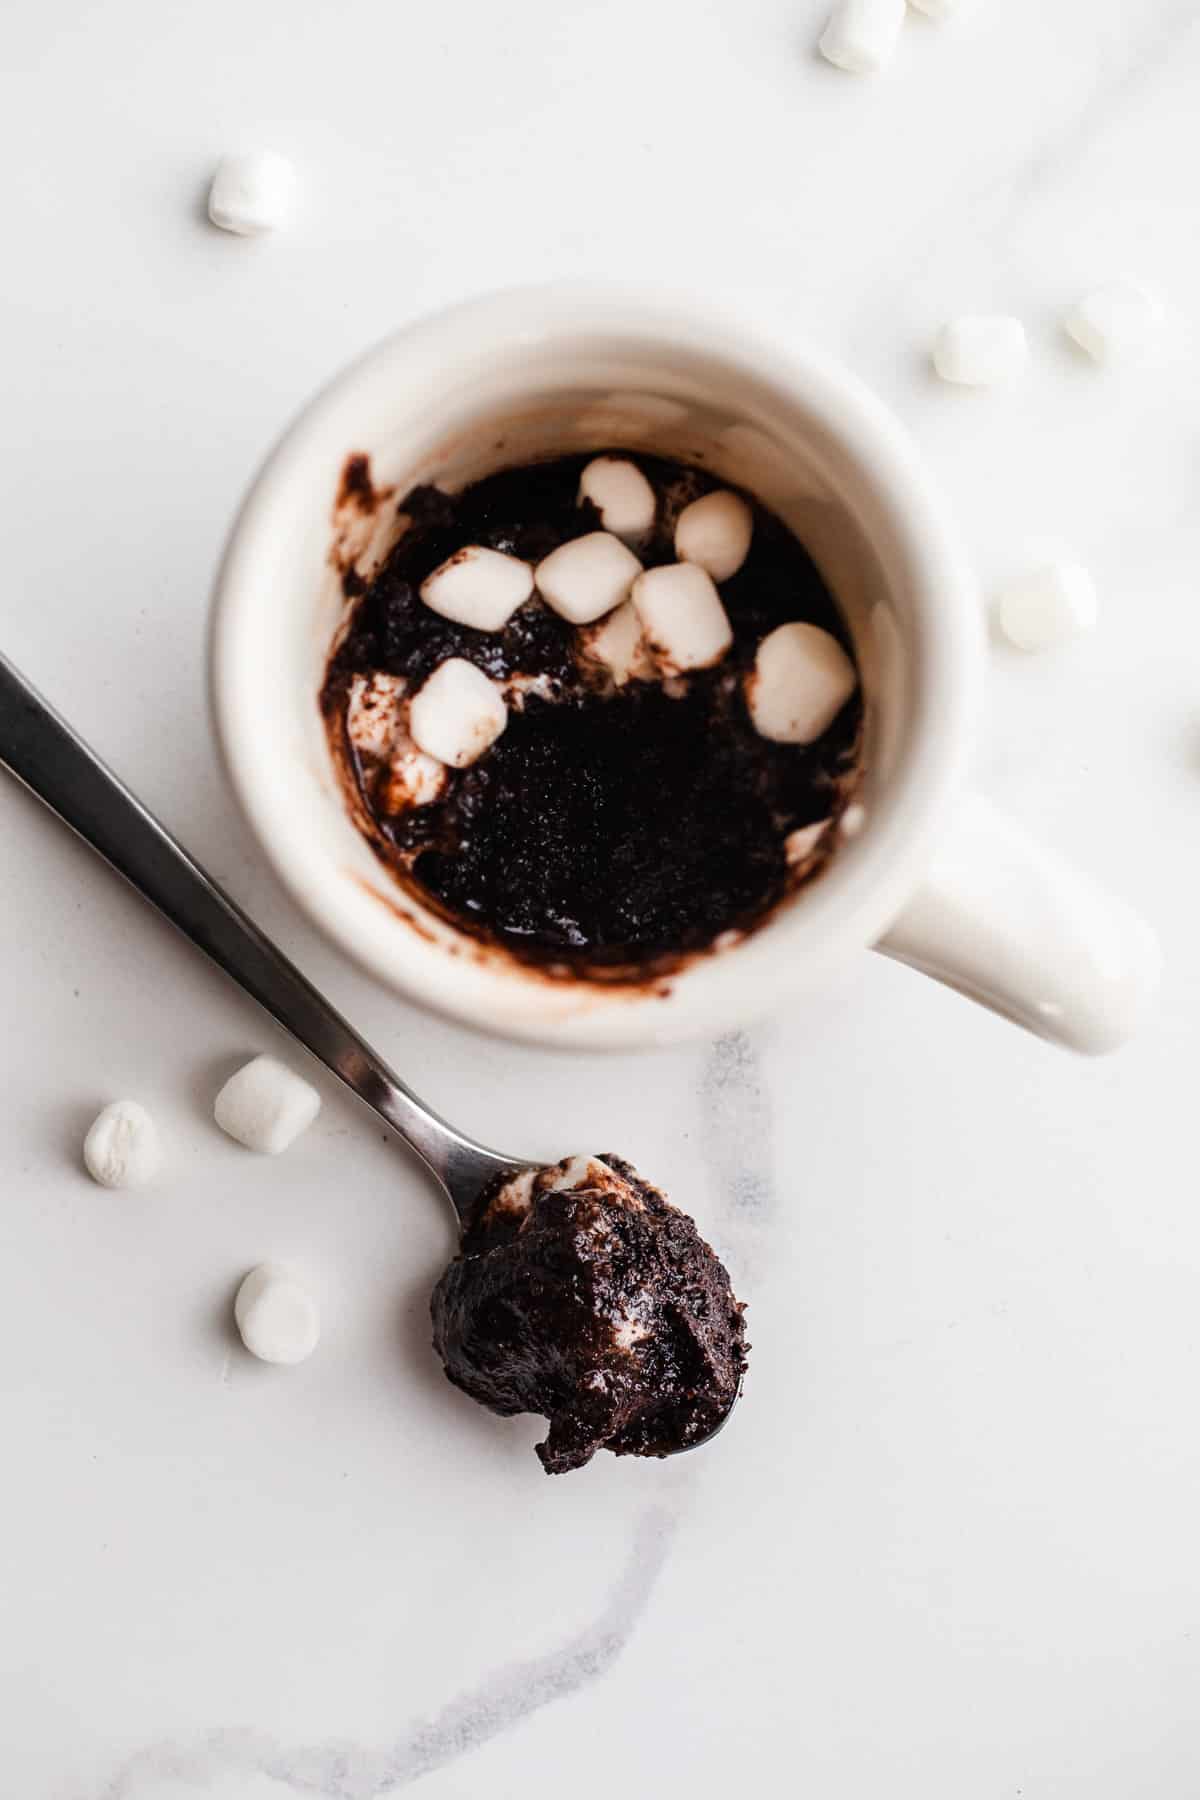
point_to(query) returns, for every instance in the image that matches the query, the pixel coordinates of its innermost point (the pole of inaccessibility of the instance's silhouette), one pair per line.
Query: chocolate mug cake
(600, 712)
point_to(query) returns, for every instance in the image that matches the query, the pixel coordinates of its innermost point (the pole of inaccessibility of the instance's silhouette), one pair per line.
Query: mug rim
(870, 879)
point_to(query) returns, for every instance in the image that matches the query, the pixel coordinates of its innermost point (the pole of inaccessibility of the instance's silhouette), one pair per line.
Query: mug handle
(1006, 921)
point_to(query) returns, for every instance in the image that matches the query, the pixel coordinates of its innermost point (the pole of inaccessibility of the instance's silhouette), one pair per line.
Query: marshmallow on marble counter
(862, 34)
(1047, 607)
(265, 1106)
(685, 624)
(981, 351)
(122, 1148)
(252, 193)
(800, 682)
(714, 532)
(587, 576)
(621, 495)
(277, 1318)
(1120, 320)
(618, 644)
(457, 713)
(478, 587)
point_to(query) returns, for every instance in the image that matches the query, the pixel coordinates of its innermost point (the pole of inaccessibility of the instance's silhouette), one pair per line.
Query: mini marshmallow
(251, 194)
(981, 351)
(516, 1194)
(373, 711)
(1120, 320)
(588, 576)
(800, 682)
(457, 713)
(518, 690)
(799, 845)
(412, 779)
(478, 587)
(584, 1171)
(862, 34)
(685, 624)
(1048, 607)
(618, 644)
(578, 1171)
(277, 1318)
(122, 1148)
(715, 533)
(621, 495)
(935, 9)
(265, 1106)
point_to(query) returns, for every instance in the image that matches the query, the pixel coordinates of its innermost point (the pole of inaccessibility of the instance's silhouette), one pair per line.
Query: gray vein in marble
(737, 1132)
(342, 1771)
(1141, 62)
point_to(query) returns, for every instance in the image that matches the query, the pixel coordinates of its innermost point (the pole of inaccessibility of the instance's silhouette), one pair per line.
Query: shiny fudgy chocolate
(605, 833)
(592, 1300)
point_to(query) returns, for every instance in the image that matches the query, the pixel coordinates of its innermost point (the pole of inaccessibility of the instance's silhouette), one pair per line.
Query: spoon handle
(42, 751)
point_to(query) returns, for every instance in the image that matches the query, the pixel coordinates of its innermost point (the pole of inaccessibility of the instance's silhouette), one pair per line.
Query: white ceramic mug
(937, 880)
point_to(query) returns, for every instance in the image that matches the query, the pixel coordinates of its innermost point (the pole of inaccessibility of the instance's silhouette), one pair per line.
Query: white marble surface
(949, 1545)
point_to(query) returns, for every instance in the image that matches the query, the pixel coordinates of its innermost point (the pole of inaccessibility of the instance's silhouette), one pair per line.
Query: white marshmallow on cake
(579, 1171)
(714, 532)
(1117, 322)
(799, 845)
(618, 644)
(685, 624)
(1048, 607)
(861, 35)
(457, 713)
(582, 1172)
(478, 587)
(412, 779)
(800, 682)
(516, 1194)
(252, 193)
(265, 1106)
(277, 1318)
(621, 495)
(587, 577)
(981, 350)
(373, 712)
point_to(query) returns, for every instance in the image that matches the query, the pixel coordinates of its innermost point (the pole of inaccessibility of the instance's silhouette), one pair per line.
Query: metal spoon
(42, 751)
